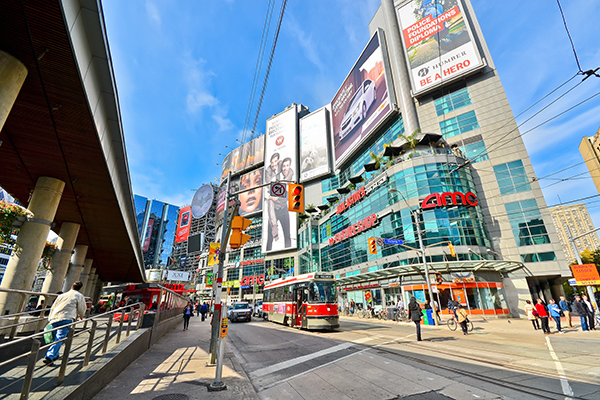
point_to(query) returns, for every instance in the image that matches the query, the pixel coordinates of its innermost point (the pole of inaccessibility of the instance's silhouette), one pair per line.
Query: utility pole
(425, 266)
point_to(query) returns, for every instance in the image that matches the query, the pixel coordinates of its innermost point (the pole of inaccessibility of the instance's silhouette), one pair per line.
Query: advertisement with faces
(279, 225)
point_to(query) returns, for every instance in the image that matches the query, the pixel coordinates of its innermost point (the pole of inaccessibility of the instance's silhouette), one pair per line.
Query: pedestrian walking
(415, 315)
(590, 314)
(204, 310)
(581, 309)
(66, 309)
(540, 307)
(532, 315)
(188, 312)
(566, 310)
(463, 319)
(197, 308)
(554, 311)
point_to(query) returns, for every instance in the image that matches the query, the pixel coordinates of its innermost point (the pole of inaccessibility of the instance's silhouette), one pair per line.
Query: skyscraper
(590, 151)
(571, 221)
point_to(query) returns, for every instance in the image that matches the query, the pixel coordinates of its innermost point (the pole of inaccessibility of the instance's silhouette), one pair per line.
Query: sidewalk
(175, 367)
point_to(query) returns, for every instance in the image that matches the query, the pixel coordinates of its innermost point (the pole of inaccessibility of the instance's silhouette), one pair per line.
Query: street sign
(379, 241)
(277, 189)
(393, 241)
(586, 274)
(572, 282)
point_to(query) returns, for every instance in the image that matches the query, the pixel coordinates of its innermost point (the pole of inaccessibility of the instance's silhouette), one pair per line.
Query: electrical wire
(562, 14)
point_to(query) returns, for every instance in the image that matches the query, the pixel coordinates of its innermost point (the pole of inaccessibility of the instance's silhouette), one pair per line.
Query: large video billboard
(244, 157)
(363, 102)
(438, 42)
(314, 145)
(279, 226)
(183, 226)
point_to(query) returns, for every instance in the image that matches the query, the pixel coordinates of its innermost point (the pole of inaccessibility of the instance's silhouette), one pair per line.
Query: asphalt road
(382, 360)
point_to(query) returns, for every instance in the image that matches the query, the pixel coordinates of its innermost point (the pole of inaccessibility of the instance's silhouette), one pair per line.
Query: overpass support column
(12, 76)
(85, 273)
(87, 286)
(55, 277)
(24, 260)
(76, 267)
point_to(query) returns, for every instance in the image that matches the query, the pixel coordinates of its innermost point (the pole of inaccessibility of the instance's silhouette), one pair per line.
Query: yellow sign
(224, 323)
(586, 274)
(213, 253)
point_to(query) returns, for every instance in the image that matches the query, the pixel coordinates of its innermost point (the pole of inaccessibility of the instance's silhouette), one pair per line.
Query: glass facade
(527, 223)
(460, 124)
(539, 257)
(475, 151)
(511, 177)
(460, 225)
(452, 101)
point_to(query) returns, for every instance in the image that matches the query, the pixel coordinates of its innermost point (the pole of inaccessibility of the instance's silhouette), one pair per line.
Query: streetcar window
(322, 292)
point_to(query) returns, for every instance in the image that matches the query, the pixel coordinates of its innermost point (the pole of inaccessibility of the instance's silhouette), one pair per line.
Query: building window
(475, 151)
(511, 177)
(452, 101)
(538, 257)
(460, 124)
(527, 223)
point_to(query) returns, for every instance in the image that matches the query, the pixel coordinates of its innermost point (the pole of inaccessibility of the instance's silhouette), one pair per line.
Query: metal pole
(589, 289)
(425, 267)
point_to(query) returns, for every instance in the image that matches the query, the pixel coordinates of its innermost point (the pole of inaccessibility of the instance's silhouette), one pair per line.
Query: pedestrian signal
(451, 248)
(372, 246)
(238, 238)
(295, 198)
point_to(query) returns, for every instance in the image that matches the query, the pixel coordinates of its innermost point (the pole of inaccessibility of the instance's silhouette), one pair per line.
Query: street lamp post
(415, 215)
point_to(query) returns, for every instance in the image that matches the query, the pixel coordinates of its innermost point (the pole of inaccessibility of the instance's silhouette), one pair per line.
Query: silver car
(239, 311)
(362, 100)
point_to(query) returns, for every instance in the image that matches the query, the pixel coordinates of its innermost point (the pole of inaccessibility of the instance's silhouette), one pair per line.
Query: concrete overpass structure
(62, 150)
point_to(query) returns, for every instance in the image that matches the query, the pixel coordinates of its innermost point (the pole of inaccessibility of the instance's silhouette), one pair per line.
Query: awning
(442, 266)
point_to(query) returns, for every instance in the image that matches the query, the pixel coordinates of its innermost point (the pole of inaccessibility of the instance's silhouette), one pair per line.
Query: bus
(306, 301)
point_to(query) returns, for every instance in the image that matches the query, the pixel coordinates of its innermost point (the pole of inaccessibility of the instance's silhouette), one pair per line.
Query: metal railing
(171, 305)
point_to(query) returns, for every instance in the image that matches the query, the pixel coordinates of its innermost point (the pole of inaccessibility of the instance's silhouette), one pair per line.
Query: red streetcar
(306, 301)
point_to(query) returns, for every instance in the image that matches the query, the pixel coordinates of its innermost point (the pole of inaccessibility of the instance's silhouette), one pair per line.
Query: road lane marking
(302, 359)
(564, 383)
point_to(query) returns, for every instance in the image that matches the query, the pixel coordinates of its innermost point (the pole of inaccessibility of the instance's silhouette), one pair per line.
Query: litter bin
(428, 317)
(391, 312)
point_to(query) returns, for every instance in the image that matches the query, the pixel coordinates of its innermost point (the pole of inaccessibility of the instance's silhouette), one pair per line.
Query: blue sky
(184, 71)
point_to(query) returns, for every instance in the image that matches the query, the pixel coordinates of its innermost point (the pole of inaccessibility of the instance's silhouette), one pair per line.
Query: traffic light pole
(216, 342)
(425, 267)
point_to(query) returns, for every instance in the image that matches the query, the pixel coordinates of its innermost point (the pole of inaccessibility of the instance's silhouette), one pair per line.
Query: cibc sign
(449, 199)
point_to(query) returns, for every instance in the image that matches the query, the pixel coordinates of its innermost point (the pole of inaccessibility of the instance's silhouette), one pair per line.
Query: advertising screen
(226, 166)
(221, 198)
(148, 235)
(314, 145)
(363, 102)
(183, 227)
(438, 42)
(251, 201)
(248, 155)
(279, 227)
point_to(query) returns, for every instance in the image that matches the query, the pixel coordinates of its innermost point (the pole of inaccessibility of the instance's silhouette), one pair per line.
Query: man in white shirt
(66, 309)
(591, 312)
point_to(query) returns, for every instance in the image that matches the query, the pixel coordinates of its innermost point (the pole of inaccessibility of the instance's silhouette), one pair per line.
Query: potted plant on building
(47, 254)
(12, 217)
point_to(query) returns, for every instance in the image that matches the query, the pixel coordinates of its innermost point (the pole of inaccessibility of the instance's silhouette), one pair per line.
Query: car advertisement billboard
(314, 145)
(364, 100)
(251, 200)
(279, 226)
(438, 42)
(183, 226)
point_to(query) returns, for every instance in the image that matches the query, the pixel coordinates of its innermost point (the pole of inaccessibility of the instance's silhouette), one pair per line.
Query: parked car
(239, 311)
(258, 311)
(356, 112)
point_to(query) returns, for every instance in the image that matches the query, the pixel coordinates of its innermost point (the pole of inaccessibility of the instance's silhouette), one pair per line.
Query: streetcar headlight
(328, 309)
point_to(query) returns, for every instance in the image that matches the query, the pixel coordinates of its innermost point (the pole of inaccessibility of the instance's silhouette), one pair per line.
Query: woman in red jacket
(543, 315)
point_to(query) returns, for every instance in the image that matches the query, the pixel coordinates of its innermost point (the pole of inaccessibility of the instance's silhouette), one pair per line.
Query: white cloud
(153, 13)
(197, 99)
(306, 42)
(225, 124)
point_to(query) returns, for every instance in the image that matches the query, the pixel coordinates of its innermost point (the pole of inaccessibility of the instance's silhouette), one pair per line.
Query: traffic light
(237, 238)
(451, 248)
(372, 246)
(438, 278)
(295, 198)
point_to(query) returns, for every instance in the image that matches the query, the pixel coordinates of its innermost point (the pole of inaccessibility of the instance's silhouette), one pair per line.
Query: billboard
(148, 235)
(251, 201)
(226, 166)
(314, 145)
(183, 226)
(221, 198)
(438, 42)
(363, 101)
(248, 155)
(279, 226)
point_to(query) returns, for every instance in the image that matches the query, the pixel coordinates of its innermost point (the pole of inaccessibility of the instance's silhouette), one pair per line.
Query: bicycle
(453, 324)
(401, 315)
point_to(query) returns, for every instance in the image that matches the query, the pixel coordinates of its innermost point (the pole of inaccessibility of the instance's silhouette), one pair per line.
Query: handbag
(48, 336)
(535, 313)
